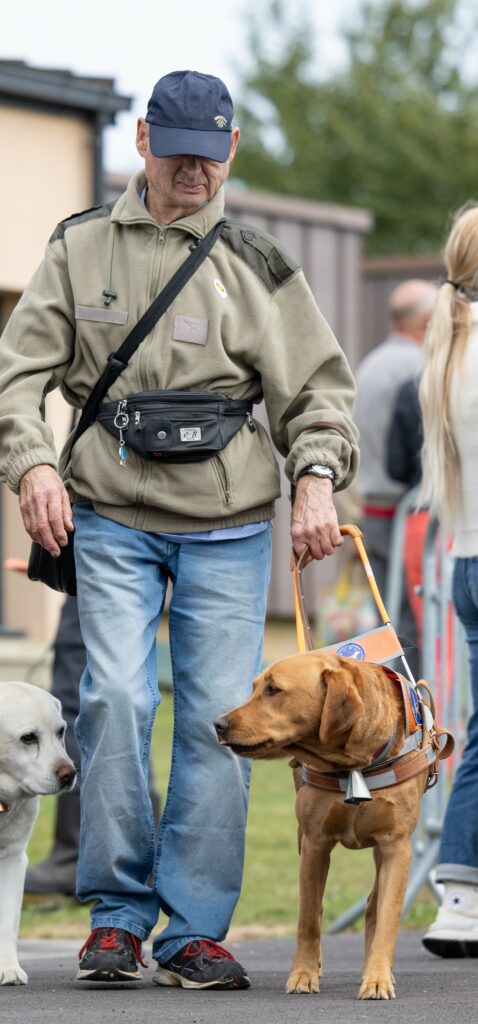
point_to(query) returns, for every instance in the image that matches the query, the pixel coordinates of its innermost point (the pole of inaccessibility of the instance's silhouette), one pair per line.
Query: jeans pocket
(465, 590)
(471, 580)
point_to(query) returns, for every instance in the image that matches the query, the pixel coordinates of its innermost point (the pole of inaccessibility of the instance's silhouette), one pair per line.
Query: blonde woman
(449, 400)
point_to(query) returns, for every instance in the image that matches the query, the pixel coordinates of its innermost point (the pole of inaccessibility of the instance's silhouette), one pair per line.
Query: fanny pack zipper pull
(137, 420)
(121, 421)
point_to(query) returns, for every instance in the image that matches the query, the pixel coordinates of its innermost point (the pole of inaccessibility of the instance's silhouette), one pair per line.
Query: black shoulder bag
(59, 572)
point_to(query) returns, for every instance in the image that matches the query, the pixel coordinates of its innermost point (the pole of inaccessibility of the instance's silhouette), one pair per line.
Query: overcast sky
(135, 42)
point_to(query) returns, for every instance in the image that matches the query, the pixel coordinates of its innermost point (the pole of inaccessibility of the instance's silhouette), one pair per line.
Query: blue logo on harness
(414, 704)
(352, 651)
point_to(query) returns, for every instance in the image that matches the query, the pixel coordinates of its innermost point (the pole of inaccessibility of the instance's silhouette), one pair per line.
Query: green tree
(395, 131)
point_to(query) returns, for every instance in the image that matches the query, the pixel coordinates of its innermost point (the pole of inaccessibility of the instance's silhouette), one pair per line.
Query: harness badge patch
(414, 704)
(352, 650)
(220, 288)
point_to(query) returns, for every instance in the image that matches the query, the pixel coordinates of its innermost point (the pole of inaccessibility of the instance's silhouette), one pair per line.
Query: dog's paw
(12, 974)
(300, 981)
(377, 988)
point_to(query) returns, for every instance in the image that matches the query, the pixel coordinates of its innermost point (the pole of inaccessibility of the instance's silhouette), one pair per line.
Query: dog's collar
(381, 754)
(4, 807)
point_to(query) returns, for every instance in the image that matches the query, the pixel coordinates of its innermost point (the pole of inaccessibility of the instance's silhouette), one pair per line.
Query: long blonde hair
(445, 345)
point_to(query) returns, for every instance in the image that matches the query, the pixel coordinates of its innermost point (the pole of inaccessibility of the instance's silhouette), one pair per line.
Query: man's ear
(235, 135)
(342, 704)
(142, 137)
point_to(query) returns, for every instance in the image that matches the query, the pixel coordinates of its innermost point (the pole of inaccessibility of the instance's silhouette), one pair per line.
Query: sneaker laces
(209, 948)
(110, 940)
(137, 949)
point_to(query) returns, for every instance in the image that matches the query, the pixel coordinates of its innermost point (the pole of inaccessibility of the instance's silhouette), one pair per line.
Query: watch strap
(319, 470)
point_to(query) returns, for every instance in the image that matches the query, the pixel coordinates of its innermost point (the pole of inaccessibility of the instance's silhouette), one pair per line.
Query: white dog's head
(33, 760)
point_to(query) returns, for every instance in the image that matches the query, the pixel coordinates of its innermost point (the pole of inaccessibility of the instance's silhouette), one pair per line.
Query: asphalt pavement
(429, 989)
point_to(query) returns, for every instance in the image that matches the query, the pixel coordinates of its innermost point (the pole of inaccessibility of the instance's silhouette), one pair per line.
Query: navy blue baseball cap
(190, 113)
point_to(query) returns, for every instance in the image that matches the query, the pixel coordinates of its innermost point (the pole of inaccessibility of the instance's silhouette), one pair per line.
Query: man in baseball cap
(141, 524)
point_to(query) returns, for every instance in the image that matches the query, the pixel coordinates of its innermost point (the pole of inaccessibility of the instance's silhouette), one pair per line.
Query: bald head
(411, 305)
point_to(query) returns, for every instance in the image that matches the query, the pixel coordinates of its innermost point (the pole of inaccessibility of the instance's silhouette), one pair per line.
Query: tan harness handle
(305, 640)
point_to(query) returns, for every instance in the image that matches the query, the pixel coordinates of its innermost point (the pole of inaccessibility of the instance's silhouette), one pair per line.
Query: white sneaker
(454, 933)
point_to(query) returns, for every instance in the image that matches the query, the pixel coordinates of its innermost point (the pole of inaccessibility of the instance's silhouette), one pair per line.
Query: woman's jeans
(216, 622)
(458, 857)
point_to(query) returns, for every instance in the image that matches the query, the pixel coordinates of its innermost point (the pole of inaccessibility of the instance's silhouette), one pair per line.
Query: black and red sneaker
(110, 954)
(202, 964)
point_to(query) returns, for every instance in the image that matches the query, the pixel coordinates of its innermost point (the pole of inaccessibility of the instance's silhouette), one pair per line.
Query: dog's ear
(57, 703)
(342, 703)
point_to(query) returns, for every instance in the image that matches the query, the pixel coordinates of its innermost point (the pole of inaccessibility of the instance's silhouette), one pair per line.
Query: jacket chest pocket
(102, 315)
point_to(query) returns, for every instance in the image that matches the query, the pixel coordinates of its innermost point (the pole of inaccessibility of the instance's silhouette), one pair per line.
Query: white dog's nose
(66, 774)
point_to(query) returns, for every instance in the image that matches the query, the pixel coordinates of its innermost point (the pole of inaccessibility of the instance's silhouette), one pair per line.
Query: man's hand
(45, 508)
(314, 519)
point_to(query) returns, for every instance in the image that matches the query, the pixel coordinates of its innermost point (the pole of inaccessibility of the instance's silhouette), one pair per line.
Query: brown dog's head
(317, 707)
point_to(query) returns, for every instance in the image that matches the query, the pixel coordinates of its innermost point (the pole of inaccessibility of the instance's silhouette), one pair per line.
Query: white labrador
(33, 762)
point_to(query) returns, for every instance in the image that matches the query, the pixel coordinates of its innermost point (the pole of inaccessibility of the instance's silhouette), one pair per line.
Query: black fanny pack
(176, 426)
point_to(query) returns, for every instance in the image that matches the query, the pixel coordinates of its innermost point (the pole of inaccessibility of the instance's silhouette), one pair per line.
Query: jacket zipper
(145, 471)
(143, 359)
(158, 260)
(224, 479)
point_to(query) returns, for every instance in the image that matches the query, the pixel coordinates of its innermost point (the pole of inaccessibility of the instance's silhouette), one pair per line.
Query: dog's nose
(65, 774)
(221, 726)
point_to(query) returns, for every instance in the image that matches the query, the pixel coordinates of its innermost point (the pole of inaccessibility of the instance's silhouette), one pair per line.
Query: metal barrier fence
(444, 666)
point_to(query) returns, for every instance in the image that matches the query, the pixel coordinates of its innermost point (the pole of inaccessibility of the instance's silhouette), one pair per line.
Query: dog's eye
(61, 732)
(271, 690)
(28, 738)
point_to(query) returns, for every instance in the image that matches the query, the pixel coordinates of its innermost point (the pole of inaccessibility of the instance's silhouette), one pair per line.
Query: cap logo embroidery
(220, 121)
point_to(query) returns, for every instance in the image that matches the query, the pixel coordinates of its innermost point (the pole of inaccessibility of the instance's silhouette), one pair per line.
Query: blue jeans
(216, 623)
(459, 843)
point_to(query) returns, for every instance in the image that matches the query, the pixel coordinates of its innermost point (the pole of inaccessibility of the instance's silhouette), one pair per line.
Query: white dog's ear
(57, 703)
(342, 704)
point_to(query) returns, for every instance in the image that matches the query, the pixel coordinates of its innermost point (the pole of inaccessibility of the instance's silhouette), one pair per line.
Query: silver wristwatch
(316, 469)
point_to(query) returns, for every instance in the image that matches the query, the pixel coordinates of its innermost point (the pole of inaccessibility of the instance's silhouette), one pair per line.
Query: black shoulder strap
(118, 361)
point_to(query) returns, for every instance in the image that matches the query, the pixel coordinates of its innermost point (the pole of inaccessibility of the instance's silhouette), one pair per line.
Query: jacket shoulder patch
(261, 252)
(92, 213)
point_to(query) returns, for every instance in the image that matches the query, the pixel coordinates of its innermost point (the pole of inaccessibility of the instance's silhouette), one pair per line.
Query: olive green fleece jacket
(245, 325)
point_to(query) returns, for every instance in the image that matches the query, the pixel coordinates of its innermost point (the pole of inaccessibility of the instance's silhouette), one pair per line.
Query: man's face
(180, 185)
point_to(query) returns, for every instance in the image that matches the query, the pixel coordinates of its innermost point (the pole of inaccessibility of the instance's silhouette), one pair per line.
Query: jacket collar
(130, 210)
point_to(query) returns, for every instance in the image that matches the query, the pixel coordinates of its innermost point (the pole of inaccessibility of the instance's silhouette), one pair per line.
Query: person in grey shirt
(379, 377)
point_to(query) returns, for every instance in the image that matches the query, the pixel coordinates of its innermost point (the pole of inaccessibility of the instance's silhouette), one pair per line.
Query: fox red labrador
(336, 715)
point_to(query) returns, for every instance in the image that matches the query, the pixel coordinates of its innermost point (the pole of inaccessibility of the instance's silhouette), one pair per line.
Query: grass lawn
(269, 898)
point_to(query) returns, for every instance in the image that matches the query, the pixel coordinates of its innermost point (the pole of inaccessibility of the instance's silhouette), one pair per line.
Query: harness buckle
(431, 781)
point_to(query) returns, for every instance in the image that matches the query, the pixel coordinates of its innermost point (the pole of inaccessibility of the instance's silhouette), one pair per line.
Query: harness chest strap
(406, 768)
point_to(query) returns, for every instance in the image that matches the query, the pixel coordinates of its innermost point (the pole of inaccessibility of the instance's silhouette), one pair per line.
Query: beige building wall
(46, 162)
(47, 174)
